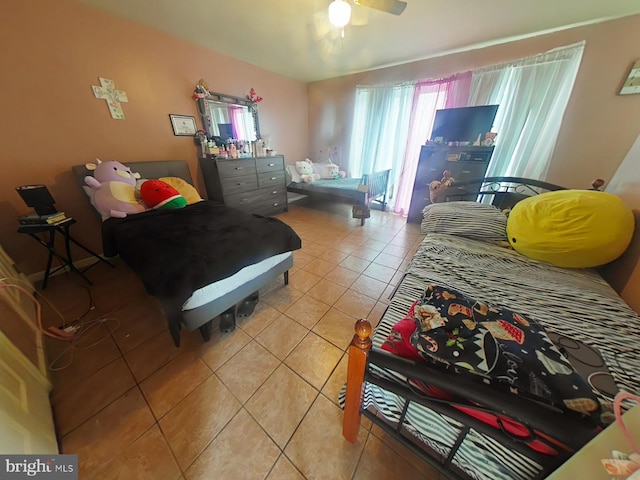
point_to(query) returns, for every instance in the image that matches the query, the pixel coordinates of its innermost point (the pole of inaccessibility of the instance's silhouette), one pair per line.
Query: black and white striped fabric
(466, 219)
(575, 303)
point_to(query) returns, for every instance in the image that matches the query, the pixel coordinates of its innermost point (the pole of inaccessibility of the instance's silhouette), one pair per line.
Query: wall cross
(107, 91)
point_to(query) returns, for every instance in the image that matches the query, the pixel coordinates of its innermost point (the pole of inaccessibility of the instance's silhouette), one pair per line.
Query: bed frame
(503, 192)
(372, 188)
(201, 317)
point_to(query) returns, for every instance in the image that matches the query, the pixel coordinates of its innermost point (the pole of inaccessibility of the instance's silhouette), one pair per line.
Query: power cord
(70, 332)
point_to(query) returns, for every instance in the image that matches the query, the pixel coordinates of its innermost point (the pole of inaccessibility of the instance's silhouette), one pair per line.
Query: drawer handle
(273, 178)
(244, 200)
(466, 171)
(241, 183)
(274, 192)
(272, 165)
(238, 168)
(276, 204)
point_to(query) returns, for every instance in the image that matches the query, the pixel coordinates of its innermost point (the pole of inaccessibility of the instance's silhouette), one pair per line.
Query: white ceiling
(293, 38)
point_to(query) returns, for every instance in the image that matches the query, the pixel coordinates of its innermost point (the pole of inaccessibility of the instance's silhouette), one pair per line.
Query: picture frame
(632, 83)
(183, 125)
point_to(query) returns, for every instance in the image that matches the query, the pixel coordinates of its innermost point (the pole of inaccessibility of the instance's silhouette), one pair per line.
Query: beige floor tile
(83, 361)
(241, 450)
(342, 276)
(319, 438)
(108, 433)
(379, 462)
(261, 317)
(355, 304)
(336, 327)
(365, 253)
(300, 259)
(398, 250)
(74, 406)
(169, 385)
(222, 347)
(397, 277)
(345, 247)
(376, 313)
(380, 272)
(314, 249)
(282, 298)
(337, 379)
(355, 263)
(307, 311)
(247, 370)
(138, 323)
(387, 294)
(196, 421)
(314, 359)
(368, 286)
(427, 471)
(303, 280)
(388, 260)
(284, 470)
(149, 458)
(375, 244)
(319, 267)
(280, 403)
(333, 256)
(282, 336)
(157, 351)
(326, 291)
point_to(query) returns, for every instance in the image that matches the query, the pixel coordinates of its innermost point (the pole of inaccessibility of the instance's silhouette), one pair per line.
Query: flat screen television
(463, 124)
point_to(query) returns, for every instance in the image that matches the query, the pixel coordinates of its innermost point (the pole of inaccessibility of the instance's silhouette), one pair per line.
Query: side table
(45, 235)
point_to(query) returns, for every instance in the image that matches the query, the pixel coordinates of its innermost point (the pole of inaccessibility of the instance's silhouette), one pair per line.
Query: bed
(470, 429)
(361, 192)
(219, 255)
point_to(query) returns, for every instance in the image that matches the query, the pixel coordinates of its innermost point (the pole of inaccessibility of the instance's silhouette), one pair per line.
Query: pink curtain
(237, 123)
(429, 96)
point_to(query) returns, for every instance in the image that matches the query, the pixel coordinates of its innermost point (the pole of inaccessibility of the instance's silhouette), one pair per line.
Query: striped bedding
(575, 303)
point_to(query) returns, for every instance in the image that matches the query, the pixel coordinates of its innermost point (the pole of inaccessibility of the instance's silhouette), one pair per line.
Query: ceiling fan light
(339, 13)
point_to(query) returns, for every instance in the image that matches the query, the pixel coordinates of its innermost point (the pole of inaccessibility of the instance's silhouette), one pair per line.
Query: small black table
(38, 232)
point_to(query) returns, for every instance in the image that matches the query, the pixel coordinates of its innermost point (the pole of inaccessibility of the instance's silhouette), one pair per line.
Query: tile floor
(259, 402)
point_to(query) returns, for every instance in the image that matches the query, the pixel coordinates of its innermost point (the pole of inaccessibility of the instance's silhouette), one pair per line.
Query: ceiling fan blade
(396, 7)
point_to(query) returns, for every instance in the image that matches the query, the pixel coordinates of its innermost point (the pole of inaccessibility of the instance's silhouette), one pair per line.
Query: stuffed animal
(305, 169)
(113, 189)
(160, 195)
(437, 188)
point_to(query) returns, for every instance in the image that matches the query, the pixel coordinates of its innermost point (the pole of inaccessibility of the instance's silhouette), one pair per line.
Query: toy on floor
(113, 189)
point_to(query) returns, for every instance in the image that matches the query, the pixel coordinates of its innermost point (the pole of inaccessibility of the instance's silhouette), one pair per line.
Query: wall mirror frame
(215, 113)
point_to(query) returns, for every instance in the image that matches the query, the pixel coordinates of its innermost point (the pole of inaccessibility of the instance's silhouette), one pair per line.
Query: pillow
(501, 347)
(477, 221)
(185, 189)
(295, 176)
(398, 341)
(160, 195)
(571, 228)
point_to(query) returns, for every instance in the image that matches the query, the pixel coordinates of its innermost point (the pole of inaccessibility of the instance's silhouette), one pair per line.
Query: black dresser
(464, 163)
(255, 185)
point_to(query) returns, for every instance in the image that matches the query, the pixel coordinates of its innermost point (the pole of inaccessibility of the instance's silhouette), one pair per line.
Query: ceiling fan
(340, 10)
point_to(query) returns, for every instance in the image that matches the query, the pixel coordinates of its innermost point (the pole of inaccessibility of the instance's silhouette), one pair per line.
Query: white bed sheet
(218, 289)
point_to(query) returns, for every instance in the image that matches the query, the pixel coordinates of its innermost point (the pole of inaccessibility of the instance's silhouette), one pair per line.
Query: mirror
(226, 117)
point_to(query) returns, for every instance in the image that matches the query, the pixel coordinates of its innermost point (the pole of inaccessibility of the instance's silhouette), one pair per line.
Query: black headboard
(152, 169)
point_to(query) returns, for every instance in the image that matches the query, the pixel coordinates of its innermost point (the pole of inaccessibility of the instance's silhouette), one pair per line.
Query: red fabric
(399, 340)
(153, 192)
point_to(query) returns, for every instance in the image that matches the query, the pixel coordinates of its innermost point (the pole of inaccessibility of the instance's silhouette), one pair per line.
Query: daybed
(359, 191)
(200, 260)
(465, 425)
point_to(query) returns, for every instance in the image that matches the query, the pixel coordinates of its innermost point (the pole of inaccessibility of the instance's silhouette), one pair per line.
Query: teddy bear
(113, 189)
(305, 169)
(437, 188)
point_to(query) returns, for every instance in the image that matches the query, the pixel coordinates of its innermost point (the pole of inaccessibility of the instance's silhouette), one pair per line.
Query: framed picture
(183, 125)
(632, 83)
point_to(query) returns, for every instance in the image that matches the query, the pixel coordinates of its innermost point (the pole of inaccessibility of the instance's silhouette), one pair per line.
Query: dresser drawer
(239, 184)
(271, 206)
(236, 168)
(270, 179)
(464, 171)
(270, 164)
(258, 201)
(242, 200)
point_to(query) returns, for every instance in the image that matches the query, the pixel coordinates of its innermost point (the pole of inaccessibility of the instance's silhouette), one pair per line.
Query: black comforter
(175, 252)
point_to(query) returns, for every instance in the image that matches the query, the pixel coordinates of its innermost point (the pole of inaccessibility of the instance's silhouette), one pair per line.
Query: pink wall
(599, 126)
(54, 51)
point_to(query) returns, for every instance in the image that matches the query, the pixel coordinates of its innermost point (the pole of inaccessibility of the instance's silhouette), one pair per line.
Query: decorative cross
(107, 90)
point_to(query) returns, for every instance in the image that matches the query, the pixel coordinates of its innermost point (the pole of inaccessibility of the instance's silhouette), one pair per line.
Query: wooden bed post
(358, 350)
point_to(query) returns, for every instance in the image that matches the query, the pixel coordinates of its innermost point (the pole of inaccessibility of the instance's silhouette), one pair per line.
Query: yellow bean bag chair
(571, 228)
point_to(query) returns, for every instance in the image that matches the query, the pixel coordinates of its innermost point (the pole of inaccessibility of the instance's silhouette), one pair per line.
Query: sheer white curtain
(430, 96)
(533, 94)
(380, 129)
